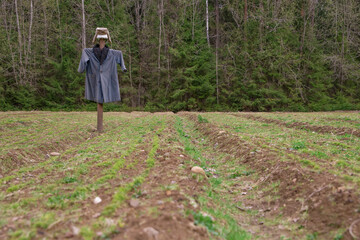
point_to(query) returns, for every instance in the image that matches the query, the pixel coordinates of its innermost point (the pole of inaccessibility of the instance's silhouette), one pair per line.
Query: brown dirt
(300, 125)
(342, 120)
(160, 208)
(318, 201)
(16, 158)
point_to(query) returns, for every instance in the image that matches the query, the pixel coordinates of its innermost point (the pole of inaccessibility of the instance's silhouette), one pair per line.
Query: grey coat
(101, 84)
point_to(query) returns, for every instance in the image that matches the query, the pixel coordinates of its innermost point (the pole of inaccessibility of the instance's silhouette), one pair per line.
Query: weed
(44, 220)
(202, 119)
(320, 155)
(240, 174)
(312, 236)
(69, 180)
(16, 187)
(298, 145)
(341, 164)
(56, 201)
(87, 233)
(200, 219)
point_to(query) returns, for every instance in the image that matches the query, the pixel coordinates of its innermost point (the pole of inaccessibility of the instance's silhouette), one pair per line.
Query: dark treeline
(258, 55)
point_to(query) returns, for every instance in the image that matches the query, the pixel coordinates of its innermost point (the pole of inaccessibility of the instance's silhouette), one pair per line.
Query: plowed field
(267, 176)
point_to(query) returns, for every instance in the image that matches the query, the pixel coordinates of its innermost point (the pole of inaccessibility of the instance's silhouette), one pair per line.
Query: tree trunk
(60, 31)
(207, 22)
(132, 97)
(20, 42)
(46, 44)
(261, 25)
(8, 33)
(217, 50)
(30, 29)
(245, 12)
(193, 20)
(245, 19)
(161, 8)
(304, 30)
(83, 25)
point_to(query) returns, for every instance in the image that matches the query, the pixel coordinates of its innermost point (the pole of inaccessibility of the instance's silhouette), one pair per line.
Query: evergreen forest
(185, 55)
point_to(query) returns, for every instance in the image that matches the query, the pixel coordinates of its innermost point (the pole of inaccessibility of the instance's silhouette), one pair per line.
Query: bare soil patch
(319, 201)
(299, 125)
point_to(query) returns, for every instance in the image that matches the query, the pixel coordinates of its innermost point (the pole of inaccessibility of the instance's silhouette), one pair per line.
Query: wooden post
(100, 117)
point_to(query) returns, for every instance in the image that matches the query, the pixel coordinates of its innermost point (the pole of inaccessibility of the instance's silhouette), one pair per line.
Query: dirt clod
(199, 170)
(134, 202)
(151, 233)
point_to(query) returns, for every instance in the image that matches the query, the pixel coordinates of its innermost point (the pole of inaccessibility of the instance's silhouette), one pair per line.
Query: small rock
(304, 208)
(193, 203)
(69, 235)
(159, 202)
(109, 222)
(96, 215)
(99, 234)
(167, 154)
(294, 180)
(134, 202)
(173, 182)
(97, 200)
(221, 132)
(181, 155)
(54, 154)
(151, 233)
(208, 215)
(75, 230)
(243, 193)
(199, 170)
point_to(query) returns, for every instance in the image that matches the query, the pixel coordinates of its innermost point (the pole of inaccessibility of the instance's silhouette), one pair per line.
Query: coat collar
(100, 54)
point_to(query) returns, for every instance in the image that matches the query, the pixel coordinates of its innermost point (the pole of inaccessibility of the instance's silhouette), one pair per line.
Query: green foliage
(295, 64)
(200, 219)
(202, 119)
(239, 174)
(69, 180)
(298, 145)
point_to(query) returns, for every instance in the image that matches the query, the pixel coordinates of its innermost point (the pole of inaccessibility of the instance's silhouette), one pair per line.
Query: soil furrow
(304, 126)
(316, 200)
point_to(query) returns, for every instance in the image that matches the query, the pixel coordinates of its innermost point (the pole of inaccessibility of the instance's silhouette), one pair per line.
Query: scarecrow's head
(101, 33)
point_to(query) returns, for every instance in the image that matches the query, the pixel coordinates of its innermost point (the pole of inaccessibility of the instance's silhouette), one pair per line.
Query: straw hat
(102, 33)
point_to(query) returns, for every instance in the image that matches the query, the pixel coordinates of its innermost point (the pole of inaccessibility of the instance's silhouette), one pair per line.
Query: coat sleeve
(120, 60)
(83, 61)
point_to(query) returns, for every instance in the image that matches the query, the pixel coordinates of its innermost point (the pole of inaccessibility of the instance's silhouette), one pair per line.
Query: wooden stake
(100, 117)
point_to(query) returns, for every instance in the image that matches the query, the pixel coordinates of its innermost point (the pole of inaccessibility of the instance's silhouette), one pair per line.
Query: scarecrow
(100, 63)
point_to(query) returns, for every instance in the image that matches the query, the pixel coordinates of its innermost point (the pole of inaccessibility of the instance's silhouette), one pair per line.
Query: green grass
(229, 230)
(58, 188)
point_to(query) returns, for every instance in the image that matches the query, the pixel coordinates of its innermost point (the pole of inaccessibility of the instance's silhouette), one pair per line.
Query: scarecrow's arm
(120, 60)
(83, 61)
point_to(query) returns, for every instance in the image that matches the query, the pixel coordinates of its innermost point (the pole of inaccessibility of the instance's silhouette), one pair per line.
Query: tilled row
(158, 208)
(318, 201)
(300, 125)
(64, 201)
